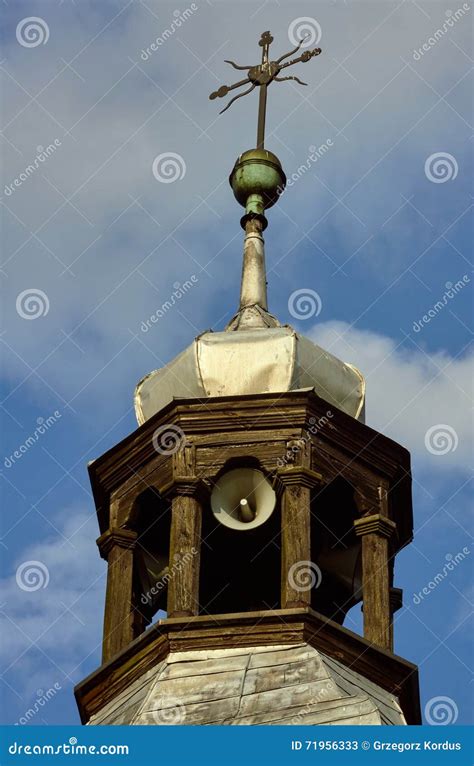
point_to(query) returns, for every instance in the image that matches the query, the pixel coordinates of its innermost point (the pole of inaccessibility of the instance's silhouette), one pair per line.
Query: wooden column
(185, 549)
(298, 573)
(116, 546)
(376, 531)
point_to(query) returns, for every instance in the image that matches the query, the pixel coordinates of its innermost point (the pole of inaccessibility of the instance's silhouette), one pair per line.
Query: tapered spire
(257, 180)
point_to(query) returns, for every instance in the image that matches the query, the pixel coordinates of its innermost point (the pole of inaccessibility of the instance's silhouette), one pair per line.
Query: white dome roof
(251, 361)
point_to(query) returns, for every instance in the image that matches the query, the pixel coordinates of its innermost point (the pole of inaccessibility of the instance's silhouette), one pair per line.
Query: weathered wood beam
(185, 548)
(297, 571)
(376, 531)
(116, 545)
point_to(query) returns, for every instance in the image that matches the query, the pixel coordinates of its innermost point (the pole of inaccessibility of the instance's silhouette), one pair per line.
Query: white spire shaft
(253, 290)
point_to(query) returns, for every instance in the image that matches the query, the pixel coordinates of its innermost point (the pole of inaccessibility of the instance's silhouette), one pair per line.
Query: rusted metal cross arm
(261, 75)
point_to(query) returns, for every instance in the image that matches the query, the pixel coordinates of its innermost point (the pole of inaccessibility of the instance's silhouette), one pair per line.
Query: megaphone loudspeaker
(243, 499)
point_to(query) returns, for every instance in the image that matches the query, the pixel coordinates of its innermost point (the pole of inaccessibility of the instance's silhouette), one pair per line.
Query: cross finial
(262, 75)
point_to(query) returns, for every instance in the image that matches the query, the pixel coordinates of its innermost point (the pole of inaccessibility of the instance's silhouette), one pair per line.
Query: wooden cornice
(226, 416)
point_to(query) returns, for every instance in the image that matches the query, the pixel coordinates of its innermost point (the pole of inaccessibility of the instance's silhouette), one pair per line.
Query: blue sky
(370, 227)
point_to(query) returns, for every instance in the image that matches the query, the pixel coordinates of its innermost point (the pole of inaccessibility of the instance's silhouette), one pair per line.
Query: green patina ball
(257, 172)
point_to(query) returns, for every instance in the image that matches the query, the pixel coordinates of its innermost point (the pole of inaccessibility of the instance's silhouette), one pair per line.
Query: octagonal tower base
(281, 667)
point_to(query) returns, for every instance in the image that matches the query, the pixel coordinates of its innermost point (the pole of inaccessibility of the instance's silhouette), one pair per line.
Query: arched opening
(335, 549)
(151, 519)
(239, 567)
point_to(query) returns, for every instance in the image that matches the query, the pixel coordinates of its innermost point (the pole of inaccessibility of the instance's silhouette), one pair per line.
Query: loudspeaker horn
(345, 566)
(243, 499)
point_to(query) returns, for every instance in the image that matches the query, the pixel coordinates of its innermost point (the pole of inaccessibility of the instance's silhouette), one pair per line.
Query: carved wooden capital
(115, 536)
(375, 524)
(186, 486)
(298, 476)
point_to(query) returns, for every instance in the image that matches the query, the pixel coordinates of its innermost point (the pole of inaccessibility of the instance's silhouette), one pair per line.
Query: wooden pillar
(298, 573)
(376, 531)
(116, 546)
(185, 549)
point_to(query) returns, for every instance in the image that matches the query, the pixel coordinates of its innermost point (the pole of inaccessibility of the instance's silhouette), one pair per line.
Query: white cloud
(52, 630)
(107, 161)
(409, 391)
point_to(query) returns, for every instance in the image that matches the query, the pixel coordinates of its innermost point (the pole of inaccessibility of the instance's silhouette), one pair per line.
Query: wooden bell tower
(250, 510)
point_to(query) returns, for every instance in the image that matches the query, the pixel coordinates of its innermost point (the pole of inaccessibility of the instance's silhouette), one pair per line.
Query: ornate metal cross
(262, 75)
